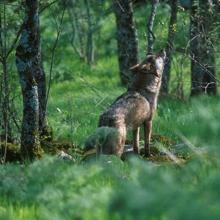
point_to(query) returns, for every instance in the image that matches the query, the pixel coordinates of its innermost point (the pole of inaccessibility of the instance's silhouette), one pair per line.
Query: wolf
(135, 107)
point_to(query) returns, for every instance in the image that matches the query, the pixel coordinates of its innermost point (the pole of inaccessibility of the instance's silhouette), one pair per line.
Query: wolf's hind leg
(147, 137)
(136, 134)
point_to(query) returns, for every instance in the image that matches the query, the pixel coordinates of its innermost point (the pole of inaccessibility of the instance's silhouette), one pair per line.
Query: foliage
(109, 188)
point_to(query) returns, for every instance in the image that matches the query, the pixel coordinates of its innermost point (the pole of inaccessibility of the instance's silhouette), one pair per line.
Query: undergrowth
(107, 188)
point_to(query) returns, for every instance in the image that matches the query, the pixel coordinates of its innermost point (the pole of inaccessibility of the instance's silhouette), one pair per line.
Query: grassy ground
(110, 188)
(75, 104)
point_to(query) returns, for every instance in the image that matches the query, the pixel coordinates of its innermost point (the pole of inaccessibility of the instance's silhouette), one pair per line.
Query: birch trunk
(28, 64)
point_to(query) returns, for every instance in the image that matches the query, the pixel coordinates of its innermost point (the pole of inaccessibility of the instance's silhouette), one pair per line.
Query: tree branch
(47, 6)
(13, 45)
(15, 41)
(53, 53)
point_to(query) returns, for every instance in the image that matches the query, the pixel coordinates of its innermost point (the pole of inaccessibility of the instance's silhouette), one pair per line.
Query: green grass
(109, 188)
(75, 104)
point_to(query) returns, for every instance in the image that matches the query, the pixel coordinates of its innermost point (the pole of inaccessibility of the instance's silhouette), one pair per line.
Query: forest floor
(180, 181)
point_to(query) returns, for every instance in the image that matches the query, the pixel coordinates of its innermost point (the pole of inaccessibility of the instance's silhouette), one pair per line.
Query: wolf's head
(153, 64)
(147, 75)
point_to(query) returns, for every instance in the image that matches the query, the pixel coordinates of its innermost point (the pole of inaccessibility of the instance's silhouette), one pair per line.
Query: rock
(64, 156)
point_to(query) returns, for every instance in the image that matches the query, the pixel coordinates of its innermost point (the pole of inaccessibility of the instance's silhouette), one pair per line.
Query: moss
(12, 152)
(52, 147)
(162, 139)
(46, 134)
(38, 152)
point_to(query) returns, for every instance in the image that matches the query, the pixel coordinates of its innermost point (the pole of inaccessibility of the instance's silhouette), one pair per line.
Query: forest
(109, 109)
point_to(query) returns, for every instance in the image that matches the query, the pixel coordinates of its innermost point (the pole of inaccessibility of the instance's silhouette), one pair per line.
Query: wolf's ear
(162, 54)
(135, 68)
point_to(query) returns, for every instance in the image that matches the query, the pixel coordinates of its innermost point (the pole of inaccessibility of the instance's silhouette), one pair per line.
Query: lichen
(52, 147)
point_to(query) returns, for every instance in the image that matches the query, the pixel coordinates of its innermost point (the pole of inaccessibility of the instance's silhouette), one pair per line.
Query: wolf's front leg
(147, 137)
(136, 132)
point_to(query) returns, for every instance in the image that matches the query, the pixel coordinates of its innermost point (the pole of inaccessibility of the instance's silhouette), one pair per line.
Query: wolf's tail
(103, 141)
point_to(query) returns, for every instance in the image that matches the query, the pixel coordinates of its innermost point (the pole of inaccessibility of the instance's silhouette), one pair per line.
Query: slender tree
(150, 25)
(126, 38)
(169, 46)
(28, 62)
(90, 40)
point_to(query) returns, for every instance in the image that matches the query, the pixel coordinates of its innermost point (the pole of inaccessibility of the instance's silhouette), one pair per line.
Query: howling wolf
(133, 108)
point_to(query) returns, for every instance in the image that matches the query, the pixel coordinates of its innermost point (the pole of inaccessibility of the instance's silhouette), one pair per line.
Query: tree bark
(28, 64)
(126, 38)
(45, 131)
(169, 46)
(150, 25)
(196, 76)
(203, 79)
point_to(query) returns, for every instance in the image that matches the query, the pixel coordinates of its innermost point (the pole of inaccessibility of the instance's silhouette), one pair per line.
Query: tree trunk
(203, 79)
(196, 73)
(169, 46)
(45, 131)
(90, 40)
(150, 25)
(126, 38)
(28, 64)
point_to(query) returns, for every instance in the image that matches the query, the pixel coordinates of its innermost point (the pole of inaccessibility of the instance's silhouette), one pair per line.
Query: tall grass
(109, 188)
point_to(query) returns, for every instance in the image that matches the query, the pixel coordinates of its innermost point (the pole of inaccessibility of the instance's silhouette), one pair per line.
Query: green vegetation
(75, 104)
(184, 186)
(109, 188)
